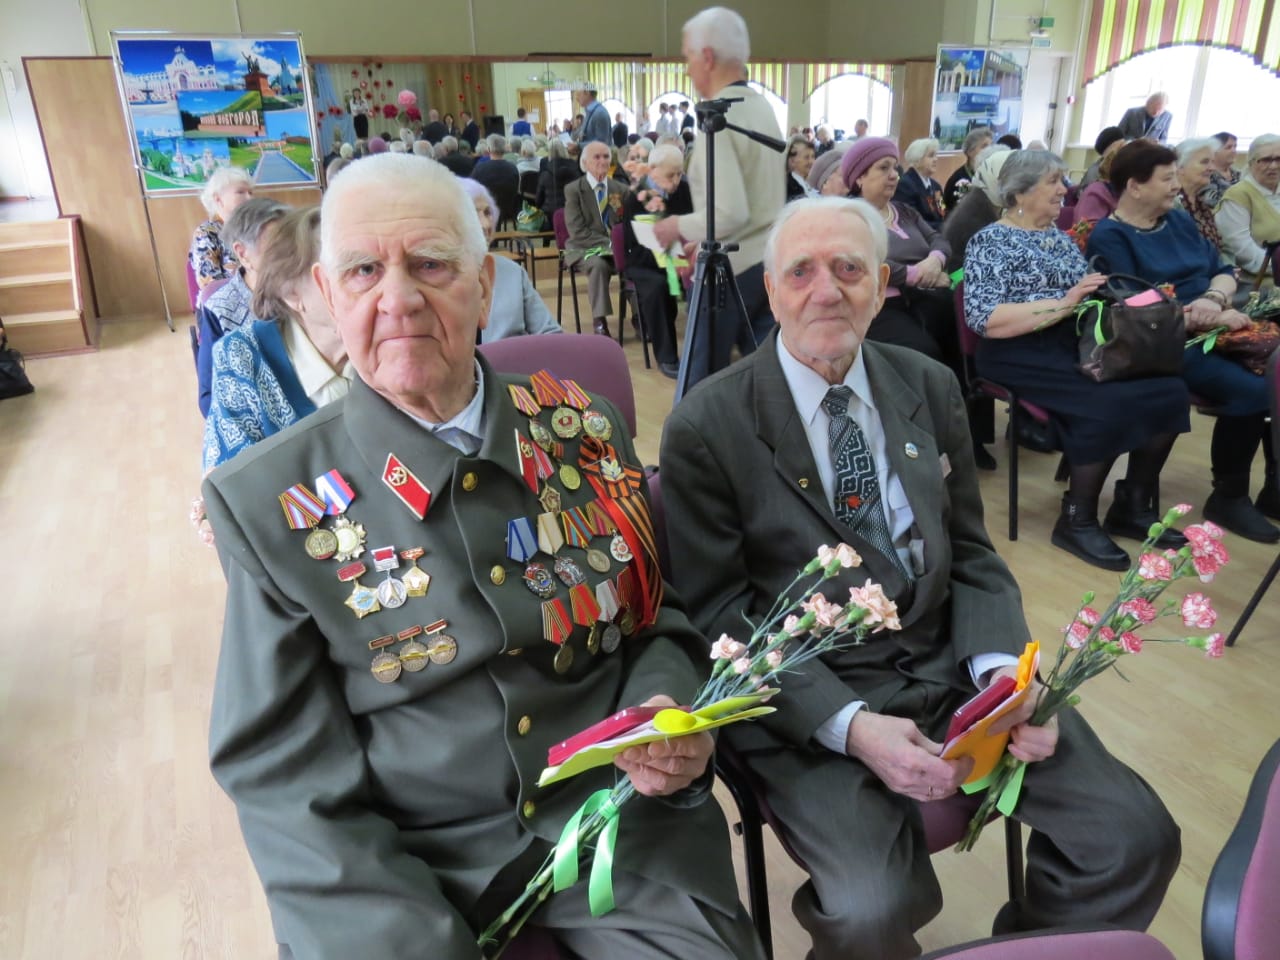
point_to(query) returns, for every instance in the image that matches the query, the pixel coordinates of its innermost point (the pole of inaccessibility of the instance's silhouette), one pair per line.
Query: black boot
(1229, 507)
(1269, 497)
(1132, 513)
(1077, 531)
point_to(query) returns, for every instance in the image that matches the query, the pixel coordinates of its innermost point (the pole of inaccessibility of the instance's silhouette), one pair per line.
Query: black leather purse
(13, 371)
(1120, 341)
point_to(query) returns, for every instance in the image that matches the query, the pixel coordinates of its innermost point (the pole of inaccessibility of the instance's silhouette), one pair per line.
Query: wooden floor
(116, 841)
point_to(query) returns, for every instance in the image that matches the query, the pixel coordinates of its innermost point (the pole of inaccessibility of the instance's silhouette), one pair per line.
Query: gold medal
(350, 539)
(597, 560)
(550, 499)
(619, 549)
(321, 543)
(593, 639)
(363, 601)
(413, 655)
(627, 624)
(596, 424)
(386, 667)
(416, 582)
(541, 435)
(570, 477)
(563, 659)
(566, 422)
(442, 648)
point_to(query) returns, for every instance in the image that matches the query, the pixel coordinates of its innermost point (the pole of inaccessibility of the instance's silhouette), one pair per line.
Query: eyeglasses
(1267, 160)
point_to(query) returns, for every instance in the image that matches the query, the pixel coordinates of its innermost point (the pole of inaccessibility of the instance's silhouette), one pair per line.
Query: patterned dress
(255, 394)
(1092, 422)
(209, 258)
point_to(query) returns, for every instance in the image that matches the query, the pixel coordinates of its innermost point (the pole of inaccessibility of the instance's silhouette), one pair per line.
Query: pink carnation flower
(1106, 634)
(1215, 645)
(1152, 566)
(1198, 612)
(845, 554)
(823, 610)
(879, 608)
(789, 624)
(1088, 615)
(1141, 609)
(1212, 529)
(726, 648)
(1206, 567)
(1130, 642)
(742, 665)
(773, 658)
(1182, 509)
(1077, 634)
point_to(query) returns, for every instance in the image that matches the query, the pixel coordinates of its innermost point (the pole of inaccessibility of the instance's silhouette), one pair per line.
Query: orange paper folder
(978, 742)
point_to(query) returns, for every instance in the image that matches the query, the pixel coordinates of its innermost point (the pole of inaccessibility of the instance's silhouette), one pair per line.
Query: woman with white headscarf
(977, 208)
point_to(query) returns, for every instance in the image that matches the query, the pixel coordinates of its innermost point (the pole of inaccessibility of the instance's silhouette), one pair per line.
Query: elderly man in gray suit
(388, 688)
(592, 205)
(820, 437)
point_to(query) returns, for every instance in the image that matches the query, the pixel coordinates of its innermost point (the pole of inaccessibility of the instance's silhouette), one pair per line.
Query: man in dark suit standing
(435, 130)
(686, 118)
(592, 205)
(470, 129)
(620, 131)
(382, 750)
(1151, 120)
(822, 437)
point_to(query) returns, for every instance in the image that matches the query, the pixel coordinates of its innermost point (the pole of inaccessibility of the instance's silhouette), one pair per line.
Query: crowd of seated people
(210, 259)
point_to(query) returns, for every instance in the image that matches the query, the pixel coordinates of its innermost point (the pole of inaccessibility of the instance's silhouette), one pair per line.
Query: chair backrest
(1067, 216)
(561, 230)
(1065, 945)
(968, 339)
(529, 184)
(1239, 921)
(193, 285)
(658, 513)
(1273, 391)
(618, 240)
(208, 290)
(597, 363)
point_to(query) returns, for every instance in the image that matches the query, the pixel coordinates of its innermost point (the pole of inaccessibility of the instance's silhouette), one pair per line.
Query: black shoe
(1240, 516)
(1133, 512)
(983, 459)
(671, 370)
(1078, 532)
(1268, 501)
(601, 326)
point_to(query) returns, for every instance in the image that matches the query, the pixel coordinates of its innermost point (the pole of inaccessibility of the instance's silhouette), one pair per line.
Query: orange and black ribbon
(631, 517)
(607, 472)
(555, 621)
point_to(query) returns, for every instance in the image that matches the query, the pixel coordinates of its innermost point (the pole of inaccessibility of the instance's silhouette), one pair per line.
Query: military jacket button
(498, 574)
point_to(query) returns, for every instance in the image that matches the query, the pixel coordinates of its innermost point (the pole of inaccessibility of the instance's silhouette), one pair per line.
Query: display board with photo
(197, 103)
(977, 87)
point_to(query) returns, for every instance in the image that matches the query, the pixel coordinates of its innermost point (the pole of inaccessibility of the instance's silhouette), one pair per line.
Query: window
(615, 107)
(774, 101)
(1210, 89)
(560, 107)
(842, 101)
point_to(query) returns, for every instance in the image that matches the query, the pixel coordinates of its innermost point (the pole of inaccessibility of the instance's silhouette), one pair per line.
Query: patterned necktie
(857, 488)
(600, 197)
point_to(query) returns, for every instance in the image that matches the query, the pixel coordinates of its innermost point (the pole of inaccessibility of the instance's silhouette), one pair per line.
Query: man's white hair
(1187, 149)
(856, 207)
(667, 155)
(723, 31)
(591, 147)
(918, 149)
(422, 187)
(221, 179)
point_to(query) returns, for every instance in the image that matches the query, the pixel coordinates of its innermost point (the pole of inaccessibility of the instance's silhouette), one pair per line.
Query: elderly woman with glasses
(917, 188)
(1249, 218)
(1024, 279)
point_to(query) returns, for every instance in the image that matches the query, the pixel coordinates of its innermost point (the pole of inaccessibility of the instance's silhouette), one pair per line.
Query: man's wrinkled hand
(1027, 743)
(904, 759)
(664, 767)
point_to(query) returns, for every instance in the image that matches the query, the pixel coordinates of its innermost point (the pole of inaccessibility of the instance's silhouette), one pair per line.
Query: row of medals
(346, 540)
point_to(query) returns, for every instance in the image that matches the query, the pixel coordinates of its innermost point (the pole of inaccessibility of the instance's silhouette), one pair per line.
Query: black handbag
(13, 372)
(1119, 341)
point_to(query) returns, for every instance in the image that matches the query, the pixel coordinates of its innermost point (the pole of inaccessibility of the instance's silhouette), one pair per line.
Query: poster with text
(977, 87)
(196, 103)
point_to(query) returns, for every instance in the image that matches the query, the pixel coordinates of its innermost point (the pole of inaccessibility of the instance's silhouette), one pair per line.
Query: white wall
(56, 30)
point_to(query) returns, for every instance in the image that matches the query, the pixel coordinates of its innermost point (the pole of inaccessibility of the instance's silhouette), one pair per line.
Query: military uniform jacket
(376, 813)
(745, 510)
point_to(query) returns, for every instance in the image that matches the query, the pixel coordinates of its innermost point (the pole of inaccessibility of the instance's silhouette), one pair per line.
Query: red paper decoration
(439, 83)
(479, 89)
(462, 96)
(483, 107)
(354, 74)
(389, 111)
(466, 78)
(376, 84)
(377, 66)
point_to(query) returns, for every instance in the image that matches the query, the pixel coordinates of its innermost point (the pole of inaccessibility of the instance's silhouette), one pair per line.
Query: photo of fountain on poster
(198, 102)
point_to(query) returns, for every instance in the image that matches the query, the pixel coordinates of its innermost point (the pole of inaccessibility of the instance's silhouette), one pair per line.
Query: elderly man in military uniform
(430, 583)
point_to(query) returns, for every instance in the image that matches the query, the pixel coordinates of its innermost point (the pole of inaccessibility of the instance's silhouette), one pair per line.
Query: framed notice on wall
(195, 103)
(977, 87)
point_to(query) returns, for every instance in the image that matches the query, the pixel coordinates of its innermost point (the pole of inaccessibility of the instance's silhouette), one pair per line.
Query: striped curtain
(816, 74)
(612, 79)
(660, 78)
(1121, 29)
(771, 76)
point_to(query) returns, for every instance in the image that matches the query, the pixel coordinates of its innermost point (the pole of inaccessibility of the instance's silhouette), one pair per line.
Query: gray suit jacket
(582, 216)
(745, 510)
(377, 814)
(1137, 123)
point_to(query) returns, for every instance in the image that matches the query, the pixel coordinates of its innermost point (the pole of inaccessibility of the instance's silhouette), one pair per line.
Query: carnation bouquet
(1095, 641)
(801, 624)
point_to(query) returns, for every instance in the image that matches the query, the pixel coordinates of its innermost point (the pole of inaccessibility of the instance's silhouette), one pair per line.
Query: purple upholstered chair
(1060, 945)
(597, 363)
(627, 290)
(1240, 920)
(193, 286)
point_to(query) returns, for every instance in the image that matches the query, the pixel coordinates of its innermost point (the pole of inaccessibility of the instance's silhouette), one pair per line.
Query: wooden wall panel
(917, 101)
(174, 219)
(91, 164)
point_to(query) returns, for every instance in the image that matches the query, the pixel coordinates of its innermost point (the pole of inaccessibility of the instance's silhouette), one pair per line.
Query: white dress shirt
(807, 391)
(319, 381)
(465, 430)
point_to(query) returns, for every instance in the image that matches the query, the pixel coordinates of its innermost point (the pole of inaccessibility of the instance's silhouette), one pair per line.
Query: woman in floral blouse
(1195, 163)
(223, 192)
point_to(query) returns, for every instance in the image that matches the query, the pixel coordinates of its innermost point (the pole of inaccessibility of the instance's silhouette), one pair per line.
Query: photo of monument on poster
(977, 87)
(197, 103)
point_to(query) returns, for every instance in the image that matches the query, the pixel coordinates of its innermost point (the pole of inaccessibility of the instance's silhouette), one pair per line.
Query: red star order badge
(412, 492)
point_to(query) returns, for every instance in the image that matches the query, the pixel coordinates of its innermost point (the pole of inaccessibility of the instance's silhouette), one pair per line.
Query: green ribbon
(603, 250)
(670, 264)
(1008, 795)
(564, 863)
(957, 277)
(1097, 307)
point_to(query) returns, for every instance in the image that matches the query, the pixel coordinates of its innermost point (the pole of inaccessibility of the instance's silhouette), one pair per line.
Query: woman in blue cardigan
(1147, 237)
(270, 374)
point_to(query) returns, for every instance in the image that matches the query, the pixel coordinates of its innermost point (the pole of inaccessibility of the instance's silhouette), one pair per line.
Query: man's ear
(487, 270)
(321, 278)
(884, 286)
